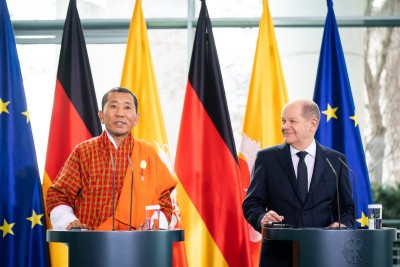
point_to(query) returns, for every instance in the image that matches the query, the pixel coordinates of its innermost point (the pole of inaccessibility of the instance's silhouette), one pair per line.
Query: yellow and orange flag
(266, 98)
(138, 76)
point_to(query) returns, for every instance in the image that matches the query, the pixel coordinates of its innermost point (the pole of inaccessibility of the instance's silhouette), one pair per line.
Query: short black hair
(119, 90)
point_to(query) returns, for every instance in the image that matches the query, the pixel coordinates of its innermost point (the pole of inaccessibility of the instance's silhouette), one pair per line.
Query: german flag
(265, 101)
(207, 164)
(75, 112)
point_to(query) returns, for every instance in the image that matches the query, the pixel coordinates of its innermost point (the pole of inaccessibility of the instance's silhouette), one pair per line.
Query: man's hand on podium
(76, 224)
(336, 225)
(271, 217)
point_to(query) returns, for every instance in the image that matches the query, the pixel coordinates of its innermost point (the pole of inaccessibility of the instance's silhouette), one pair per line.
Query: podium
(337, 247)
(118, 248)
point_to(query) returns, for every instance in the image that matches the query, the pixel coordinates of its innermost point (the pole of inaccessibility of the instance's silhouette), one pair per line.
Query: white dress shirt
(309, 159)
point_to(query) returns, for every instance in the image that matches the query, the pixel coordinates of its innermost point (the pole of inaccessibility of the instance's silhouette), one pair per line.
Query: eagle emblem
(354, 250)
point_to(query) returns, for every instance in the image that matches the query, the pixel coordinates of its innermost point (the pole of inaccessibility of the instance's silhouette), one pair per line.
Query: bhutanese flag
(22, 223)
(74, 117)
(338, 128)
(207, 164)
(138, 76)
(266, 98)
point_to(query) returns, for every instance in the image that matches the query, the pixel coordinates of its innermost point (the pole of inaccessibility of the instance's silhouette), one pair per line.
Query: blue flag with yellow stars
(22, 220)
(339, 127)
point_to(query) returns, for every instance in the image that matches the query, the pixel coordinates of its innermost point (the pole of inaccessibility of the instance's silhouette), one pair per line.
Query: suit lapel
(319, 166)
(285, 159)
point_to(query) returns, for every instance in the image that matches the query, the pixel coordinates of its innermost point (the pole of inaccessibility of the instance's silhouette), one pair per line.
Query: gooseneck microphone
(113, 189)
(130, 204)
(355, 191)
(337, 190)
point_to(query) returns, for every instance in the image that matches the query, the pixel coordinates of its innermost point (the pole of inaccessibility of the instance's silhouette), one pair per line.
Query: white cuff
(61, 216)
(163, 221)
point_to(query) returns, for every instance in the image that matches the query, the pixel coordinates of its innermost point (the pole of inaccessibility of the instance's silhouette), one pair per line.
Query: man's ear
(101, 116)
(314, 125)
(137, 119)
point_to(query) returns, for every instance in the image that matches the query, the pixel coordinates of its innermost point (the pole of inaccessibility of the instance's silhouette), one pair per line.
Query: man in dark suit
(293, 183)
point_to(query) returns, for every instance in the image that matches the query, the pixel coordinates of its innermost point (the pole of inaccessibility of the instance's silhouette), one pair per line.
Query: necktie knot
(302, 154)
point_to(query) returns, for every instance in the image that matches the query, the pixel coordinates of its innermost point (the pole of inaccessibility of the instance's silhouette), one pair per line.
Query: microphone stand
(130, 204)
(112, 190)
(355, 192)
(337, 190)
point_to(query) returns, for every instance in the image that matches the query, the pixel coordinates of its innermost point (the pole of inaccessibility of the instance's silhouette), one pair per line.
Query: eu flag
(339, 127)
(22, 221)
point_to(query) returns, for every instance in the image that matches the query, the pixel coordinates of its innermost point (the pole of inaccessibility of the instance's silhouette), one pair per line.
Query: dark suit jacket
(274, 185)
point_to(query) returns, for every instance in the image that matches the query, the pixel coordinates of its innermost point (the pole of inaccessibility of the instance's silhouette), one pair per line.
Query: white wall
(299, 50)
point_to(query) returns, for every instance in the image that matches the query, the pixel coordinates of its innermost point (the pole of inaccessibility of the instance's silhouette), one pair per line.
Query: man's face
(297, 130)
(119, 115)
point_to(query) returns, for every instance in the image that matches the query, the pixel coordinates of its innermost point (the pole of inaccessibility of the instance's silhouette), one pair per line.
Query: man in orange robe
(82, 193)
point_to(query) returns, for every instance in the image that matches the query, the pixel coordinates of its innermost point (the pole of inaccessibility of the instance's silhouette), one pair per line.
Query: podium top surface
(65, 236)
(305, 233)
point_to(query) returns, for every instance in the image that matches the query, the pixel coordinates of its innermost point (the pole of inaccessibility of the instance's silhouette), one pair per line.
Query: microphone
(355, 191)
(112, 189)
(130, 204)
(337, 189)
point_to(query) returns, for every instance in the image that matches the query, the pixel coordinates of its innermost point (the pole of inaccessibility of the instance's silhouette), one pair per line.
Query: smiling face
(298, 125)
(119, 115)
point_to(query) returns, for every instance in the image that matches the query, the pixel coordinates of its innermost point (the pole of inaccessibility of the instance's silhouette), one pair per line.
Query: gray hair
(311, 110)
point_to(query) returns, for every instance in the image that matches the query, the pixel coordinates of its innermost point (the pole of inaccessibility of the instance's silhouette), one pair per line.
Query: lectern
(337, 247)
(118, 248)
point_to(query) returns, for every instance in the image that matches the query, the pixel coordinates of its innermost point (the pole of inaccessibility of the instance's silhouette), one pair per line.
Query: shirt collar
(311, 149)
(111, 139)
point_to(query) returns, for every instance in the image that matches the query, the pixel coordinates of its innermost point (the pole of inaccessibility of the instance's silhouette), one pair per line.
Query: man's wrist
(61, 216)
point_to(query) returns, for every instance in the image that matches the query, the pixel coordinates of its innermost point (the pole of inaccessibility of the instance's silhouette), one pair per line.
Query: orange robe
(151, 179)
